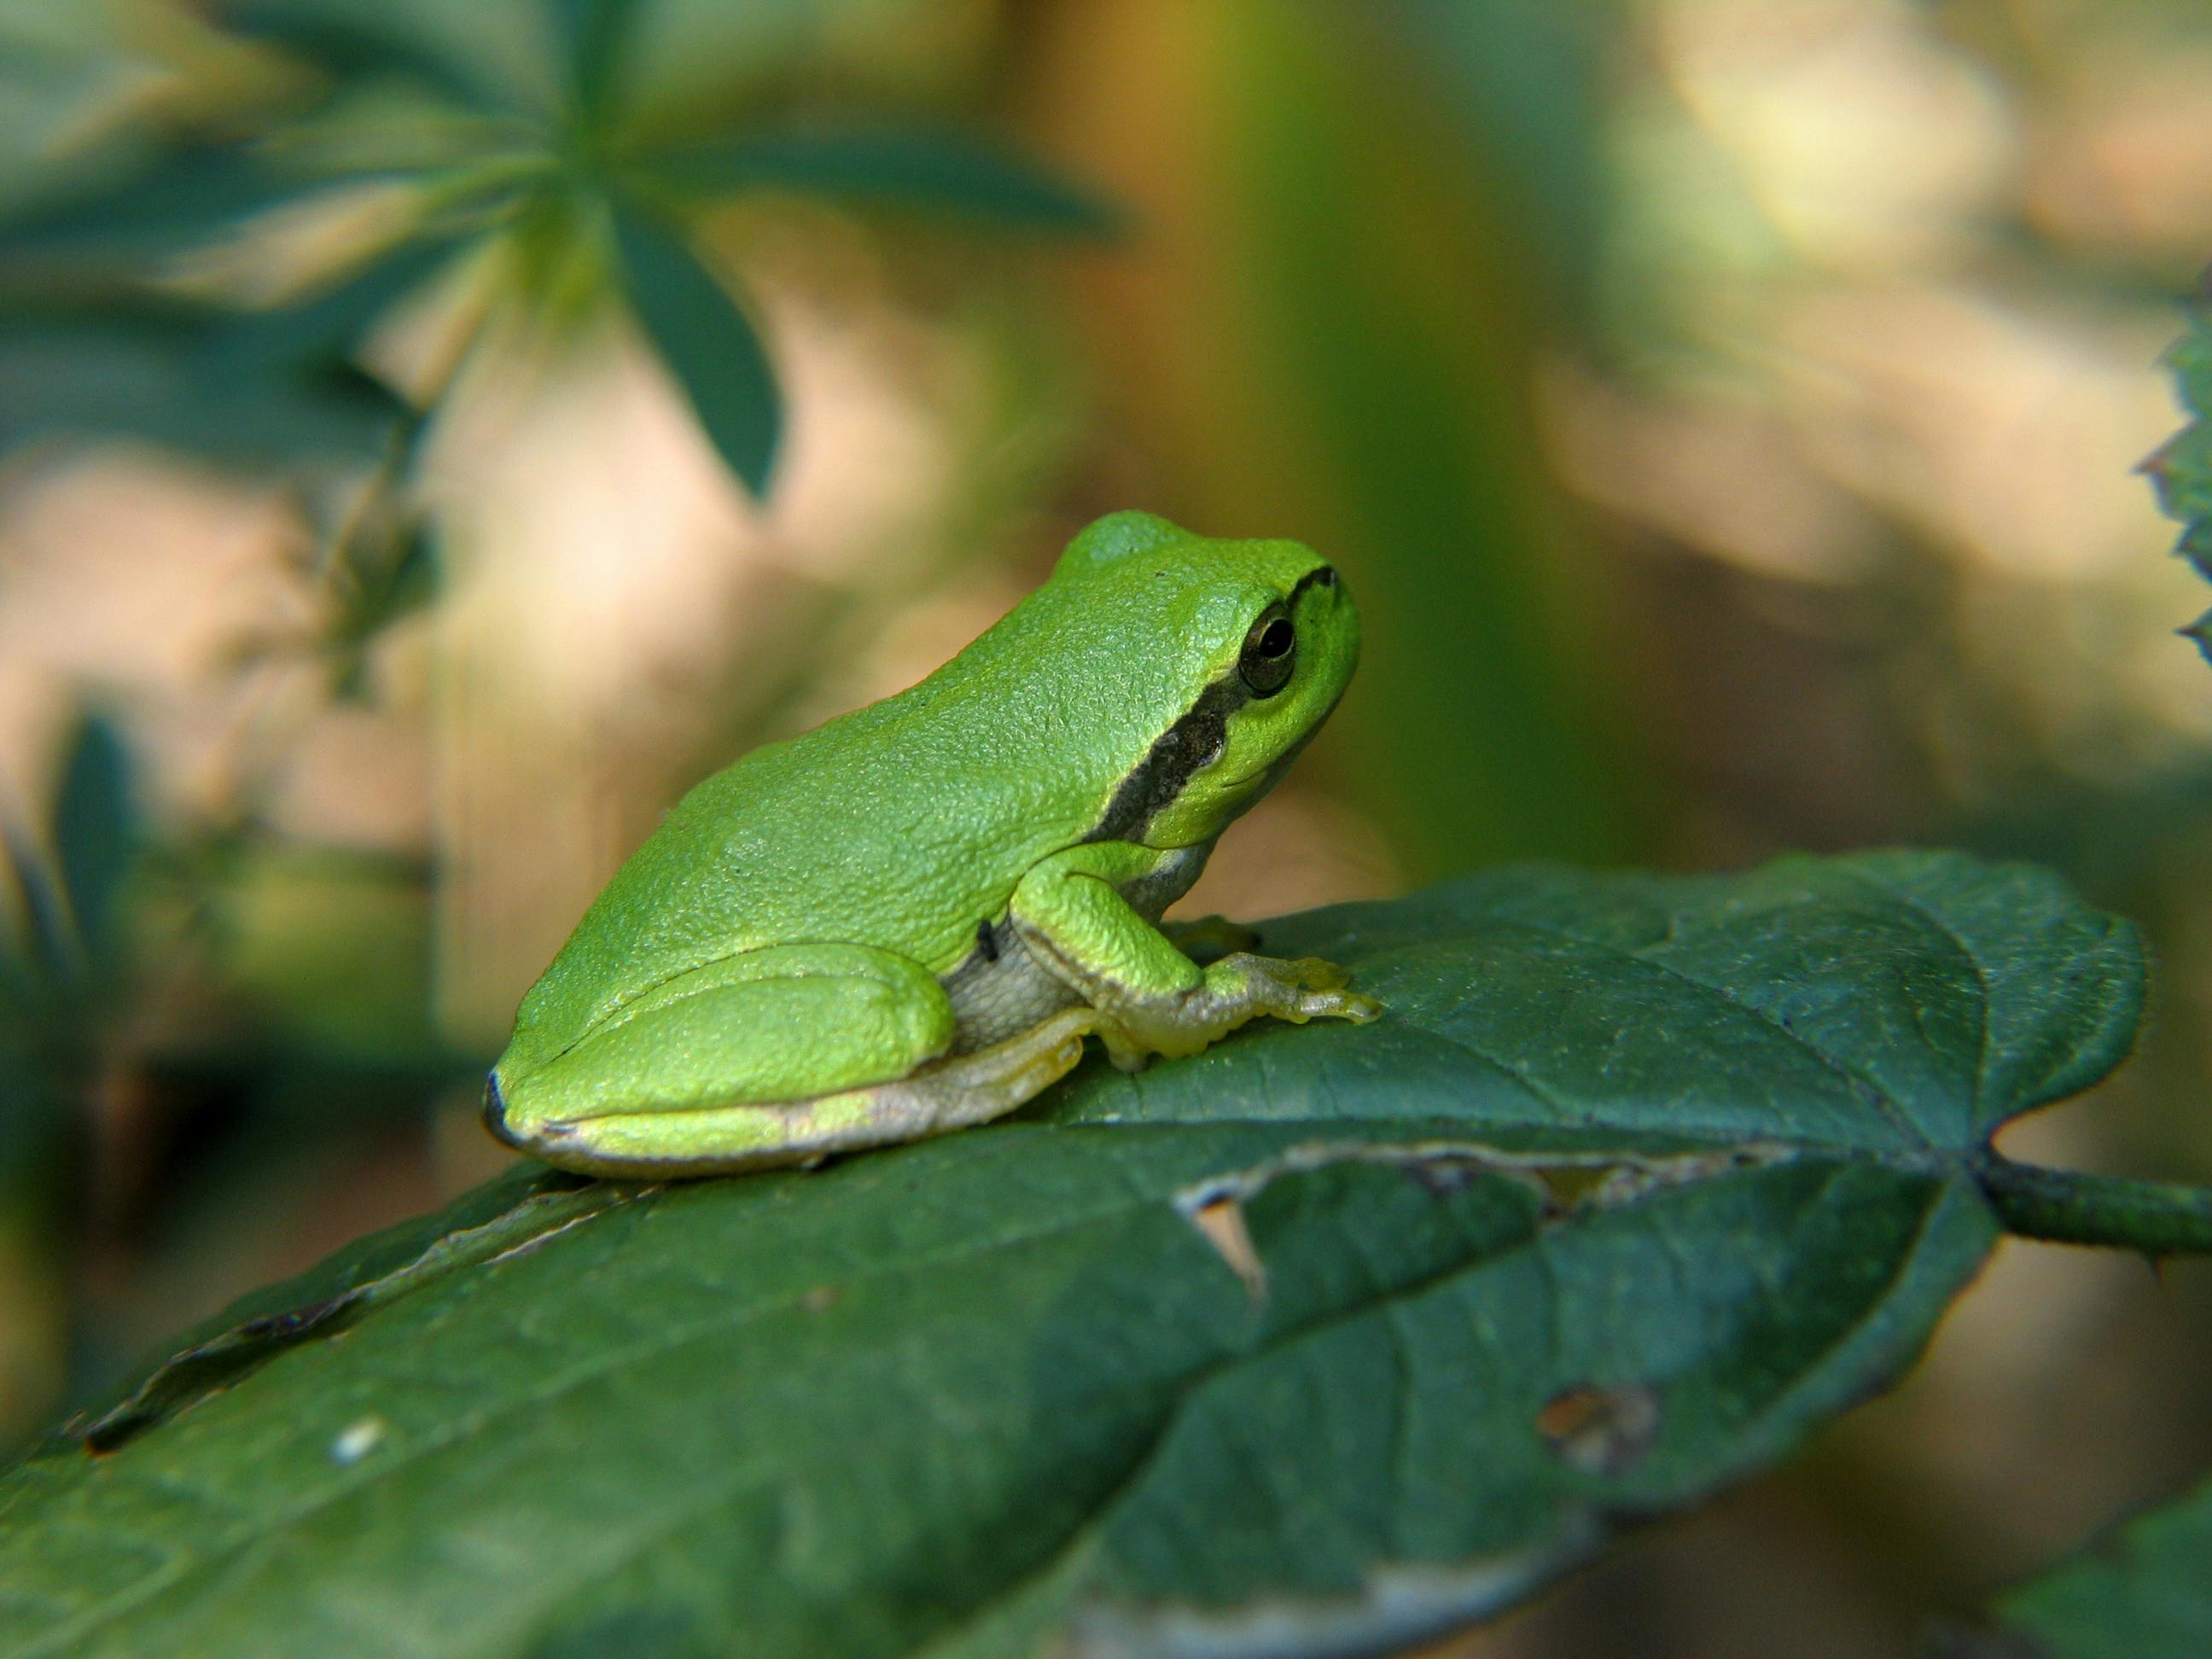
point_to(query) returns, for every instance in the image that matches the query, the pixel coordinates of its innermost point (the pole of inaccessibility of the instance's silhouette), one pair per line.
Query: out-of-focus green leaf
(354, 43)
(123, 231)
(705, 339)
(49, 945)
(239, 386)
(96, 831)
(193, 381)
(322, 332)
(2181, 469)
(593, 37)
(394, 127)
(2144, 1593)
(1521, 76)
(376, 592)
(1321, 1343)
(58, 64)
(1388, 327)
(940, 172)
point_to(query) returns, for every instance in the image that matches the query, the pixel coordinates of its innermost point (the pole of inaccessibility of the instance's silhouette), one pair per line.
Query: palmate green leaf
(234, 386)
(705, 337)
(2144, 1593)
(938, 172)
(1320, 1343)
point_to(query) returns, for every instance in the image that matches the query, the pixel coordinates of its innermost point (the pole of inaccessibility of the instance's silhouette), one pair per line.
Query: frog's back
(905, 825)
(873, 829)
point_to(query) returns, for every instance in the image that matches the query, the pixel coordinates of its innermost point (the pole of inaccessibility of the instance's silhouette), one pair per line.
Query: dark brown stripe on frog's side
(1194, 742)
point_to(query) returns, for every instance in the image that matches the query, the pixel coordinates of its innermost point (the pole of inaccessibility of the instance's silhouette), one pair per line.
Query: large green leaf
(2146, 1593)
(1319, 1343)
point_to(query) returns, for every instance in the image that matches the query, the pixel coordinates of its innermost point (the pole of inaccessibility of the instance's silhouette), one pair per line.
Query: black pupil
(1274, 639)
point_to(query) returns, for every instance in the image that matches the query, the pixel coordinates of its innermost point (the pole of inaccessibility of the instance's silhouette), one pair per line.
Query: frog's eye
(1270, 651)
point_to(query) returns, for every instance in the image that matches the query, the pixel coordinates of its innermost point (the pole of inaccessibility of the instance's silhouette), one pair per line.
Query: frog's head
(1255, 641)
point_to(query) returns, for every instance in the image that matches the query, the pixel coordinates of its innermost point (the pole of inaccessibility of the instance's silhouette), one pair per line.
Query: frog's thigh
(786, 1023)
(942, 1095)
(778, 1056)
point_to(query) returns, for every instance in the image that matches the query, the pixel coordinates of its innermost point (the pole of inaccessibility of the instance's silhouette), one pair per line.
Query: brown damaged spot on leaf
(1564, 1181)
(1601, 1430)
(1221, 1222)
(1561, 1182)
(1631, 1179)
(209, 1366)
(1446, 1170)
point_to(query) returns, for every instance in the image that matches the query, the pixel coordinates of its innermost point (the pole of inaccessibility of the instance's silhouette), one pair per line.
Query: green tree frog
(908, 919)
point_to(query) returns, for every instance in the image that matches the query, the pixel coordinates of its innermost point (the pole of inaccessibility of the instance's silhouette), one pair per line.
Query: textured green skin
(840, 875)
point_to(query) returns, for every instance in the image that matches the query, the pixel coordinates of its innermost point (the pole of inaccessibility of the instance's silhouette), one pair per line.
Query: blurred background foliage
(435, 435)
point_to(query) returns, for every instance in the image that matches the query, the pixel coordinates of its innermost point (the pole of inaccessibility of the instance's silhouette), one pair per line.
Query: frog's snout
(495, 1114)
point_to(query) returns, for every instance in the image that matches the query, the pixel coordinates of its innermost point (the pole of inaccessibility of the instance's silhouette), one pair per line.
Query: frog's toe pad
(1354, 1006)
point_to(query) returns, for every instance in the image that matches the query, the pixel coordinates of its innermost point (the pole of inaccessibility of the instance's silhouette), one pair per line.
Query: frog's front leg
(1150, 998)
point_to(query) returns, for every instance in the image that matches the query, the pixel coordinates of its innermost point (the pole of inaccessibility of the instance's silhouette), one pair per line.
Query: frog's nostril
(494, 1114)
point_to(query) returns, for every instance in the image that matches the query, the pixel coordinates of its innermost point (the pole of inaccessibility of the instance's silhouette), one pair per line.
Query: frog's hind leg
(780, 1056)
(784, 1023)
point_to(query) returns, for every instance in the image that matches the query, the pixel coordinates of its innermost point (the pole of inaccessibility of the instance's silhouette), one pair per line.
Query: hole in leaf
(1601, 1430)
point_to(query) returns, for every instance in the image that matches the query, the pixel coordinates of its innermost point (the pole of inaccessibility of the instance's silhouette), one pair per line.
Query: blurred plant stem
(1378, 319)
(2062, 1206)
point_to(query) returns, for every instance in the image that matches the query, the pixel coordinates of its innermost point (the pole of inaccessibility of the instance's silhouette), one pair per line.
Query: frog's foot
(1237, 988)
(943, 1095)
(1209, 938)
